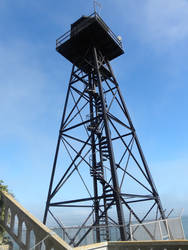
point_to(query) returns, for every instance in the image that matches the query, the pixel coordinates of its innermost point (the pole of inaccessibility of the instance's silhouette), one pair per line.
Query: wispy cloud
(29, 95)
(28, 108)
(166, 21)
(21, 86)
(160, 23)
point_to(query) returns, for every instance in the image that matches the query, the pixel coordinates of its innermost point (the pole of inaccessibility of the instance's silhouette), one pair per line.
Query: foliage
(3, 238)
(3, 187)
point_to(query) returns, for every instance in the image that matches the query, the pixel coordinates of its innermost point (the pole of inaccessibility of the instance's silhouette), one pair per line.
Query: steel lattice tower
(99, 167)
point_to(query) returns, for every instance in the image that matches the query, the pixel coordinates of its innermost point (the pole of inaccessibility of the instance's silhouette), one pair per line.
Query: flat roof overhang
(74, 45)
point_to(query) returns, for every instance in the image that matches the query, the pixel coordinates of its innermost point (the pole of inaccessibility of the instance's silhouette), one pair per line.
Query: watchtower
(99, 170)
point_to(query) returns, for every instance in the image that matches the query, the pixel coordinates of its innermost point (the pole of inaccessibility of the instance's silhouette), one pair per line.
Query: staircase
(97, 171)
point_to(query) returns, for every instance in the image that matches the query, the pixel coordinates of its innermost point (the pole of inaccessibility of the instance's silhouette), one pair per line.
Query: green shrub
(3, 238)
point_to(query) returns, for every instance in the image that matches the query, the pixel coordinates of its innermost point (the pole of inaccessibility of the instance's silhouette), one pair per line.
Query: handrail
(110, 32)
(84, 24)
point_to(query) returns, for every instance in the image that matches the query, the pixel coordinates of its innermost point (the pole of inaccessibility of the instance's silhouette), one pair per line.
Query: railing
(16, 220)
(168, 229)
(113, 36)
(83, 25)
(26, 230)
(73, 234)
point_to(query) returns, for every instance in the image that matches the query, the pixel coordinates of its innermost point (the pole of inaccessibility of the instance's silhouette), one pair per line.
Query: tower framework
(99, 172)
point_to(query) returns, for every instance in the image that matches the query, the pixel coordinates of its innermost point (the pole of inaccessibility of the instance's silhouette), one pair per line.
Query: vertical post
(182, 230)
(111, 153)
(94, 5)
(170, 237)
(6, 216)
(93, 150)
(12, 220)
(131, 232)
(160, 229)
(28, 236)
(20, 222)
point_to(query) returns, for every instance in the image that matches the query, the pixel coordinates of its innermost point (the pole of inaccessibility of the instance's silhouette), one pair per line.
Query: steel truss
(102, 153)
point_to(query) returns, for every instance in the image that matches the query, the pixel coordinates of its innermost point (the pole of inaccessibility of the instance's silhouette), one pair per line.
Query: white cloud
(158, 22)
(21, 87)
(166, 21)
(25, 108)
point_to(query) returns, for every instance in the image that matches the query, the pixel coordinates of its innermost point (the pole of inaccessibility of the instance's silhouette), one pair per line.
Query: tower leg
(138, 144)
(57, 152)
(103, 168)
(111, 154)
(94, 162)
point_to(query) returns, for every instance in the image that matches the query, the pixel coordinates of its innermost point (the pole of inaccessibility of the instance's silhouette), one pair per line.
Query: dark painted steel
(94, 161)
(92, 70)
(111, 153)
(138, 145)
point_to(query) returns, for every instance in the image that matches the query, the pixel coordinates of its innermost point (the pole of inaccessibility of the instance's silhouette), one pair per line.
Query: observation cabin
(88, 32)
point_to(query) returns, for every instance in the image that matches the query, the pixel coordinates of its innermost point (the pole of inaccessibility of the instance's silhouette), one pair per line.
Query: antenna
(95, 5)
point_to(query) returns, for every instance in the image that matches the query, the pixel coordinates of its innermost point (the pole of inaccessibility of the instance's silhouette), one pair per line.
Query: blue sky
(153, 76)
